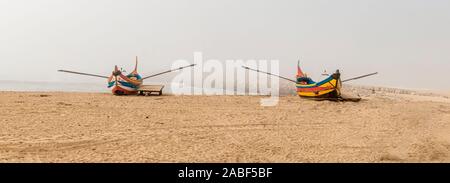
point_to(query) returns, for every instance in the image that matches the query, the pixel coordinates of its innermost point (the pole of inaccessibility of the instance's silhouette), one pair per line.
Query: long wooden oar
(165, 72)
(248, 68)
(86, 74)
(359, 77)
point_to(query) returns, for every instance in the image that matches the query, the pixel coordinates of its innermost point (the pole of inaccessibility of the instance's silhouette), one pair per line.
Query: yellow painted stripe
(332, 83)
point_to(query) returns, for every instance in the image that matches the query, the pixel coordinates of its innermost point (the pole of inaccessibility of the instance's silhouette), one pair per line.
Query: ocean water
(32, 86)
(29, 86)
(52, 87)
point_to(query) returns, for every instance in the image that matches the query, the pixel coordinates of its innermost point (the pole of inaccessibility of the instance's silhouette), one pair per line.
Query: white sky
(407, 41)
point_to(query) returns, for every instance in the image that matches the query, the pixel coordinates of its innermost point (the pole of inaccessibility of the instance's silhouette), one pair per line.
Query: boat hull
(123, 85)
(327, 89)
(119, 90)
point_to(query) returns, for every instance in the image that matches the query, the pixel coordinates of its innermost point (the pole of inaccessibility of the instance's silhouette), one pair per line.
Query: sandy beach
(96, 127)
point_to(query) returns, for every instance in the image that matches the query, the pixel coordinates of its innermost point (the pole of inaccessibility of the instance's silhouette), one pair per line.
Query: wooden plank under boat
(149, 89)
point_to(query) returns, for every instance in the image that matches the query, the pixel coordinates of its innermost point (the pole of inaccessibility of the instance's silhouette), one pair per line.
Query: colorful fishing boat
(328, 88)
(129, 84)
(124, 85)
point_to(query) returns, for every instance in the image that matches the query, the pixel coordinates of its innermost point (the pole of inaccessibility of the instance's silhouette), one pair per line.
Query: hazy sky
(407, 41)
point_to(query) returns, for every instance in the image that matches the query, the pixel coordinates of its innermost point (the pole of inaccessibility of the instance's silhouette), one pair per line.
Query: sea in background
(41, 86)
(37, 86)
(286, 88)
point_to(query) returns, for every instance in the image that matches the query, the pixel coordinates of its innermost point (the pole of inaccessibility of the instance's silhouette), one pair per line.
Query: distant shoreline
(285, 88)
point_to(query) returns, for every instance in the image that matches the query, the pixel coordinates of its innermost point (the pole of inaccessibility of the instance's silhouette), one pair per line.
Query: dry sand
(83, 127)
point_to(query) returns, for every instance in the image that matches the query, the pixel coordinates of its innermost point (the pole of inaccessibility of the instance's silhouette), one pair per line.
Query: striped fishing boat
(327, 88)
(130, 84)
(124, 85)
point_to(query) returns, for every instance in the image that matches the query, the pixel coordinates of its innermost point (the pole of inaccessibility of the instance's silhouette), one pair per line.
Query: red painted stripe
(123, 91)
(314, 89)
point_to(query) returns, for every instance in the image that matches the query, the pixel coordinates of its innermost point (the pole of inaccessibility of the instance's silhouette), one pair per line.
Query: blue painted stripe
(123, 83)
(111, 84)
(316, 84)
